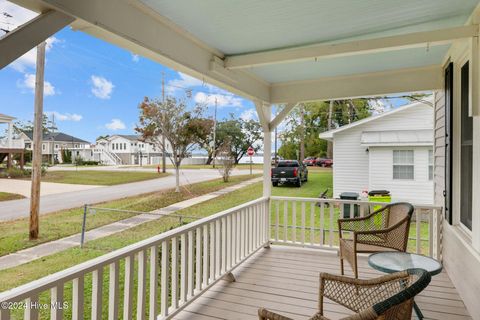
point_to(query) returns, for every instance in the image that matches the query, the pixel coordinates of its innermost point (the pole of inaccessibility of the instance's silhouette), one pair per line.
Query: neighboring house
(126, 149)
(54, 142)
(390, 151)
(8, 145)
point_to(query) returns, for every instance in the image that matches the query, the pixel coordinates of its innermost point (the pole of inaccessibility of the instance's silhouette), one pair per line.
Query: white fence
(175, 266)
(312, 222)
(14, 144)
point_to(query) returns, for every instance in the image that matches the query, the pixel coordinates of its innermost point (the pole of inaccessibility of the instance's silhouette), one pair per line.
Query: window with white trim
(403, 165)
(430, 164)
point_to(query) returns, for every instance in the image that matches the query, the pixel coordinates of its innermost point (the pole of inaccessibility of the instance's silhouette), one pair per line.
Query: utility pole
(164, 156)
(52, 129)
(37, 143)
(302, 135)
(276, 151)
(215, 133)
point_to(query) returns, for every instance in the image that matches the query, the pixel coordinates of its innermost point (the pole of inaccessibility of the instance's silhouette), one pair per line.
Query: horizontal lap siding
(439, 158)
(417, 191)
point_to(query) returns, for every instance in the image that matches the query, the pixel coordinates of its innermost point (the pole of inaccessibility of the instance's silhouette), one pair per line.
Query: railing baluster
(277, 217)
(174, 276)
(303, 222)
(418, 222)
(164, 280)
(285, 221)
(330, 232)
(190, 273)
(31, 310)
(183, 268)
(231, 245)
(294, 221)
(77, 298)
(218, 247)
(239, 237)
(97, 293)
(228, 262)
(56, 299)
(128, 287)
(4, 314)
(242, 233)
(198, 259)
(113, 291)
(430, 233)
(153, 302)
(142, 283)
(212, 252)
(223, 255)
(312, 223)
(205, 257)
(322, 224)
(249, 234)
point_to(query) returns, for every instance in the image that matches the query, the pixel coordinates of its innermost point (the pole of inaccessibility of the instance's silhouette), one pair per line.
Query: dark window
(466, 153)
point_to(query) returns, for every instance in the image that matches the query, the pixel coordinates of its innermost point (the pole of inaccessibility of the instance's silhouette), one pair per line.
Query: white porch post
(267, 147)
(475, 112)
(9, 135)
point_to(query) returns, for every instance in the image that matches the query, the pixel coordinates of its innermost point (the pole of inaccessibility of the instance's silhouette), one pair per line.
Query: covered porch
(274, 53)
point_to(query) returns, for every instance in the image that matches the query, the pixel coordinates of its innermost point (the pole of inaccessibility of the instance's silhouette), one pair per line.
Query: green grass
(100, 178)
(14, 234)
(5, 196)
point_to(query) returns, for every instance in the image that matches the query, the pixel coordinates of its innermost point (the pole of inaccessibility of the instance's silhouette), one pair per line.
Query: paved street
(23, 187)
(11, 210)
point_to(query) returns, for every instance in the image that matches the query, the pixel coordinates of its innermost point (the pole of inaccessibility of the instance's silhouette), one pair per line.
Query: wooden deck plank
(286, 279)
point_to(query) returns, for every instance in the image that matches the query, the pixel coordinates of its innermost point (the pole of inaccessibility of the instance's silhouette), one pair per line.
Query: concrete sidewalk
(49, 248)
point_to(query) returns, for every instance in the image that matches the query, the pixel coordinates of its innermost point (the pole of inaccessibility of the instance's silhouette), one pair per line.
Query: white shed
(390, 151)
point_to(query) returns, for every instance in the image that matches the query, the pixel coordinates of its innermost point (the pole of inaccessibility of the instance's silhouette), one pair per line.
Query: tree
(226, 160)
(22, 126)
(182, 129)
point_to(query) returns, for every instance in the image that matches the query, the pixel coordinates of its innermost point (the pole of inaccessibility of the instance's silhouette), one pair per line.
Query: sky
(94, 88)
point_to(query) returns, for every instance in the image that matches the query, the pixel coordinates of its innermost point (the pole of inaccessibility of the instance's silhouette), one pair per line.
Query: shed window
(430, 164)
(403, 167)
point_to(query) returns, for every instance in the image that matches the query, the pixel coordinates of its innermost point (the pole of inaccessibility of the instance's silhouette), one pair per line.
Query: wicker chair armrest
(264, 314)
(362, 282)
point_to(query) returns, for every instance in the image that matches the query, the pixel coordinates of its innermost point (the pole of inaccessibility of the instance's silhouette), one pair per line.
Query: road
(15, 209)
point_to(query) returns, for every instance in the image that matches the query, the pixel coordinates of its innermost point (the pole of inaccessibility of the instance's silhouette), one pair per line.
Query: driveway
(15, 209)
(23, 187)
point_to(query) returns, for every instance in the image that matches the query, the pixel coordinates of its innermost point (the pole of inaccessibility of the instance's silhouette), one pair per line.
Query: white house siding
(417, 191)
(351, 161)
(350, 169)
(439, 147)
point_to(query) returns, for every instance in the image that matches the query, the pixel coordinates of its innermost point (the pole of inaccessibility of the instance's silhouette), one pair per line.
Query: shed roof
(56, 136)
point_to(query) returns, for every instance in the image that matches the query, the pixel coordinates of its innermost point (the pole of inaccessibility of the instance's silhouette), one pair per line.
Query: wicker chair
(389, 297)
(383, 230)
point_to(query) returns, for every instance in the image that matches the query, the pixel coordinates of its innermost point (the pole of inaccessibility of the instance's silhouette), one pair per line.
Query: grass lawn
(101, 178)
(5, 196)
(14, 234)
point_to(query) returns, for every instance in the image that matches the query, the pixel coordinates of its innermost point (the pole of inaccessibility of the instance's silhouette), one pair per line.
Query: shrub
(66, 156)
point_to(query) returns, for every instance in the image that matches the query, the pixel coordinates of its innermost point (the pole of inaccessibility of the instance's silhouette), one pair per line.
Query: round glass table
(393, 261)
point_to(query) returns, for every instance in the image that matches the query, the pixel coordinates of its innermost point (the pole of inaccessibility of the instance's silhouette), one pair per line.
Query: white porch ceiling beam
(363, 85)
(281, 116)
(263, 116)
(411, 40)
(19, 41)
(138, 28)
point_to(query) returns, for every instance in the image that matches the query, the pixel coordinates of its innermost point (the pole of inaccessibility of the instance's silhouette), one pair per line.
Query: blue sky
(94, 88)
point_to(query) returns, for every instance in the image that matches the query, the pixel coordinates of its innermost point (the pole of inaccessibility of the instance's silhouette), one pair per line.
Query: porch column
(475, 112)
(267, 151)
(10, 135)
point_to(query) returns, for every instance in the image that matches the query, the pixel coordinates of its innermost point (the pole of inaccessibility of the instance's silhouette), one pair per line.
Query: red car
(310, 161)
(324, 162)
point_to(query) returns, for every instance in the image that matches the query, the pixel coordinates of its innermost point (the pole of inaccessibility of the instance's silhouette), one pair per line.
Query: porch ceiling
(268, 50)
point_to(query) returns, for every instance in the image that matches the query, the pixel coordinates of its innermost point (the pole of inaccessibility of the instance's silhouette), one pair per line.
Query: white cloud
(65, 116)
(29, 59)
(29, 83)
(223, 100)
(135, 57)
(102, 88)
(249, 114)
(115, 124)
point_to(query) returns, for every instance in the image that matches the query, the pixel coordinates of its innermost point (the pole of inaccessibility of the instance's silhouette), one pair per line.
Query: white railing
(312, 222)
(107, 157)
(14, 144)
(166, 272)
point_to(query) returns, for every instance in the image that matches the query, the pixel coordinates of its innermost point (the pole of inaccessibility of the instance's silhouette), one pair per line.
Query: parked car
(289, 171)
(274, 161)
(324, 162)
(310, 161)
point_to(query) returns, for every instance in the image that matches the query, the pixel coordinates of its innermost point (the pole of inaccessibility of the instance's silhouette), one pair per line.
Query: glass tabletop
(390, 262)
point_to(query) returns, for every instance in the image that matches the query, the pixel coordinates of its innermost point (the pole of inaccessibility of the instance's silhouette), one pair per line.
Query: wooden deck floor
(285, 280)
